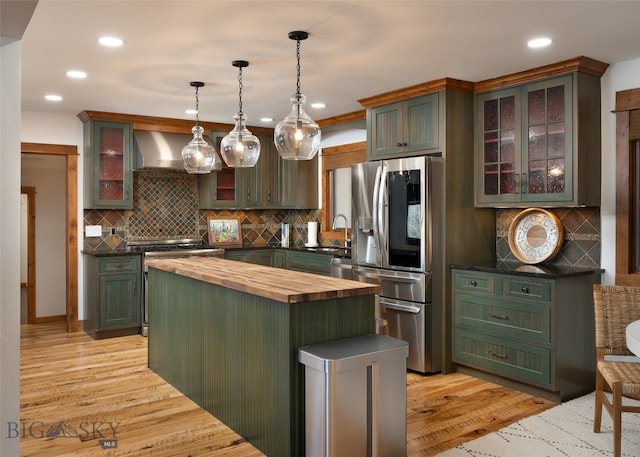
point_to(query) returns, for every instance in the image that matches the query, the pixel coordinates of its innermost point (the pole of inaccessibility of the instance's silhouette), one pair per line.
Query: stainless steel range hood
(159, 150)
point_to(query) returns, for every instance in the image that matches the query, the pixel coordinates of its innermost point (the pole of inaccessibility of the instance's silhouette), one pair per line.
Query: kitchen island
(226, 334)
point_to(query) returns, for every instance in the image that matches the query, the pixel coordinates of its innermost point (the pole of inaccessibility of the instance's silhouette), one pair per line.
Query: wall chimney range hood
(159, 150)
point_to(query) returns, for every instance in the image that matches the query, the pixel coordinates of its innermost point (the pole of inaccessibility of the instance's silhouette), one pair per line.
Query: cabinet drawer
(512, 319)
(524, 362)
(474, 281)
(526, 289)
(119, 264)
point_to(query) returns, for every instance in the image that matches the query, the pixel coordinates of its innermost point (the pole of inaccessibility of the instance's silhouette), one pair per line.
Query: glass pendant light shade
(297, 137)
(199, 157)
(240, 148)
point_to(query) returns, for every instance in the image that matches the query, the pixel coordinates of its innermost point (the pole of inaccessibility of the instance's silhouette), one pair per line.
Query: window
(336, 162)
(628, 187)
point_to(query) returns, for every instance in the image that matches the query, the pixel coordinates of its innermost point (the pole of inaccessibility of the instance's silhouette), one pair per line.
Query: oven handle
(399, 307)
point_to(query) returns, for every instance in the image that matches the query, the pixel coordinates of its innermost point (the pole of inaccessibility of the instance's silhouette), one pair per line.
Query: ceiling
(356, 49)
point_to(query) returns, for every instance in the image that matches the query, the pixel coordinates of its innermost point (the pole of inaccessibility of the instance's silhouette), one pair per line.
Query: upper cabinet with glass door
(108, 165)
(538, 144)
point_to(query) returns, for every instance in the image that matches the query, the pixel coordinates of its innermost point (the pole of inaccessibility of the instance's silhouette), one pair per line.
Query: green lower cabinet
(535, 330)
(509, 358)
(112, 295)
(309, 262)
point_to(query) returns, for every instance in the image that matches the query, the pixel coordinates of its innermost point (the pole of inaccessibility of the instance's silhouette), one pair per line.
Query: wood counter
(275, 283)
(226, 334)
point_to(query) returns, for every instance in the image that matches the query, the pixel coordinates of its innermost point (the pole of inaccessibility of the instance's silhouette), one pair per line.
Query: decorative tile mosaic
(581, 245)
(166, 206)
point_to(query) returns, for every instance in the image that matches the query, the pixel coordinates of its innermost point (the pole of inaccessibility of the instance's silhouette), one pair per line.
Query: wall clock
(535, 236)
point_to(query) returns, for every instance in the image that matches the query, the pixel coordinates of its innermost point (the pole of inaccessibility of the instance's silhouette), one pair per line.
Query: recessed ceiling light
(110, 41)
(191, 112)
(76, 74)
(318, 105)
(266, 119)
(53, 97)
(539, 42)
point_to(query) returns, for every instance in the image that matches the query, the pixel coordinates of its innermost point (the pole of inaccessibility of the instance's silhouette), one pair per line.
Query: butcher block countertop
(274, 283)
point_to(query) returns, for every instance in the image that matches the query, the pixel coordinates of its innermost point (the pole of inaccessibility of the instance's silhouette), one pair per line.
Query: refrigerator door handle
(381, 244)
(376, 214)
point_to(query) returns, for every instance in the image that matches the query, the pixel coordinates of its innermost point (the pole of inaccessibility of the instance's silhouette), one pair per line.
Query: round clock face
(535, 236)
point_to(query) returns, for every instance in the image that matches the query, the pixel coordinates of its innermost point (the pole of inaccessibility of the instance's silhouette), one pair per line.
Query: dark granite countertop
(108, 252)
(333, 251)
(536, 271)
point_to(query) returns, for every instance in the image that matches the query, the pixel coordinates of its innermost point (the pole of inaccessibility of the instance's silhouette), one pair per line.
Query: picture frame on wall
(224, 232)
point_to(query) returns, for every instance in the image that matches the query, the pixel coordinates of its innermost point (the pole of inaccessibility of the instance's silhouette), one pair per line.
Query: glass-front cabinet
(525, 144)
(108, 165)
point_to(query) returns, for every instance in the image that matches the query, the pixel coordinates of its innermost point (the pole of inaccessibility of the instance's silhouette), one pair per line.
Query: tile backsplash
(581, 244)
(166, 206)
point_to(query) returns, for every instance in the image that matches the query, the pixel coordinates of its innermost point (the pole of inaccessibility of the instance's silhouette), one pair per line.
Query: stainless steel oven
(165, 249)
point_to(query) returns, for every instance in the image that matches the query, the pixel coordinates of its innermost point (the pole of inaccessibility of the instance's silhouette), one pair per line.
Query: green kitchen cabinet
(239, 255)
(539, 143)
(108, 162)
(272, 183)
(533, 330)
(309, 262)
(403, 128)
(112, 295)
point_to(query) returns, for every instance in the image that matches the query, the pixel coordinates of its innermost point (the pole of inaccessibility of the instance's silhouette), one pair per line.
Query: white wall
(48, 175)
(618, 77)
(9, 242)
(64, 129)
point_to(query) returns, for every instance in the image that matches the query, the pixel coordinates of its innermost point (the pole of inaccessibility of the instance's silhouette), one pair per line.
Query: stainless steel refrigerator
(392, 246)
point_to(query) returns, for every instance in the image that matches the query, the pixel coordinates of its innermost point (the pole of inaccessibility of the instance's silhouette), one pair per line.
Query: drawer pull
(525, 290)
(499, 356)
(499, 316)
(473, 282)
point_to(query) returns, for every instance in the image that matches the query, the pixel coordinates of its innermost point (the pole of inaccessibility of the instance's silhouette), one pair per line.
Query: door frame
(70, 152)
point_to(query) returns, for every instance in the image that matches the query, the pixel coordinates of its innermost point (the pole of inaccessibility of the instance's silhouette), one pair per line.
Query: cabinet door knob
(525, 290)
(473, 282)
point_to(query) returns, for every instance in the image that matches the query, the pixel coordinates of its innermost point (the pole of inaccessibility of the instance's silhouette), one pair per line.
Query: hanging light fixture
(199, 157)
(297, 137)
(240, 148)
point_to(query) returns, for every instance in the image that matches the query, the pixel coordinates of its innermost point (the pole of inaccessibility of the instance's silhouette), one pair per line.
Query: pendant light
(240, 148)
(297, 137)
(199, 157)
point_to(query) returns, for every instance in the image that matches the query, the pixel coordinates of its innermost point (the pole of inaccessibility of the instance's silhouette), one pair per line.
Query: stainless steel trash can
(356, 397)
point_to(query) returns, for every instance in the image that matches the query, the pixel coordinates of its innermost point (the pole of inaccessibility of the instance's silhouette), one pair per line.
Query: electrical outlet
(93, 230)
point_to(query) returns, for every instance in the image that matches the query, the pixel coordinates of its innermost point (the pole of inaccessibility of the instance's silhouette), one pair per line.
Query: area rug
(565, 430)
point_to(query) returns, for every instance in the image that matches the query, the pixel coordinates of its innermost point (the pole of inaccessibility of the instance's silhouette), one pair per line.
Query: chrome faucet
(347, 240)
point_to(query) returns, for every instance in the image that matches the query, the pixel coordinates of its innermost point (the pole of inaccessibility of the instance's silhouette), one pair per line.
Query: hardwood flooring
(81, 397)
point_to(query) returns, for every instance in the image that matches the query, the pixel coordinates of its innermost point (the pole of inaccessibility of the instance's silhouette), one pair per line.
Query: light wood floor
(76, 391)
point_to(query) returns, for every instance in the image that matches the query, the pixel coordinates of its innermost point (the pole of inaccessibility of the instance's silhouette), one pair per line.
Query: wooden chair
(618, 372)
